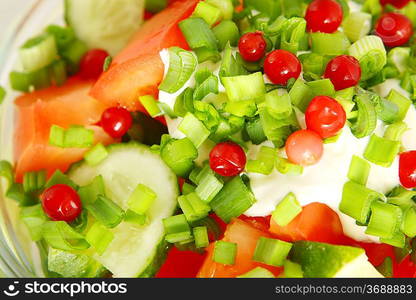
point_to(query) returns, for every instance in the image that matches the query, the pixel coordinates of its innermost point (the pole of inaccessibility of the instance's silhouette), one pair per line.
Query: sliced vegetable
(286, 210)
(371, 54)
(234, 199)
(271, 252)
(125, 166)
(356, 201)
(127, 19)
(381, 151)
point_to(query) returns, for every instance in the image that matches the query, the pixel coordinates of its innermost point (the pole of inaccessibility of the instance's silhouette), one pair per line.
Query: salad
(219, 138)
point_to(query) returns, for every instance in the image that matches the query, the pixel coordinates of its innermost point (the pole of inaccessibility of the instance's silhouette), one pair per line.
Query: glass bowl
(19, 256)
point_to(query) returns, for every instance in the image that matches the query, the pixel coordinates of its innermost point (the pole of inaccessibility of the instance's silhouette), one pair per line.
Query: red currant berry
(227, 159)
(116, 121)
(61, 203)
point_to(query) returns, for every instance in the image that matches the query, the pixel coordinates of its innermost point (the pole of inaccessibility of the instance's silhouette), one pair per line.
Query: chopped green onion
(208, 185)
(34, 218)
(387, 111)
(63, 35)
(357, 25)
(277, 130)
(367, 118)
(106, 211)
(90, 192)
(96, 155)
(395, 131)
(284, 166)
(245, 87)
(225, 6)
(205, 54)
(329, 43)
(371, 54)
(257, 272)
(25, 82)
(385, 219)
(193, 207)
(141, 199)
(233, 200)
(208, 12)
(398, 57)
(398, 240)
(401, 101)
(356, 201)
(59, 235)
(175, 224)
(255, 131)
(202, 74)
(230, 67)
(149, 103)
(381, 151)
(373, 7)
(187, 188)
(286, 210)
(292, 270)
(225, 252)
(208, 86)
(60, 178)
(292, 34)
(184, 103)
(78, 137)
(57, 136)
(279, 106)
(401, 197)
(300, 94)
(271, 252)
(313, 65)
(408, 225)
(241, 108)
(177, 229)
(16, 192)
(34, 181)
(194, 129)
(179, 155)
(359, 170)
(201, 236)
(134, 218)
(38, 52)
(200, 38)
(196, 174)
(264, 163)
(99, 237)
(73, 54)
(80, 223)
(166, 110)
(226, 32)
(107, 63)
(321, 87)
(207, 113)
(181, 66)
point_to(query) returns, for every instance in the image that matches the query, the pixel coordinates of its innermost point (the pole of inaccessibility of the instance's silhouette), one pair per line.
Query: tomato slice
(38, 111)
(317, 222)
(245, 236)
(138, 69)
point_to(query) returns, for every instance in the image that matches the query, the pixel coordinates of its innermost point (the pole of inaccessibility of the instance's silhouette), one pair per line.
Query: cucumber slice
(73, 265)
(134, 251)
(105, 24)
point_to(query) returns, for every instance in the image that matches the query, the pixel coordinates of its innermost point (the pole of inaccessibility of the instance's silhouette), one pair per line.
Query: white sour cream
(322, 182)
